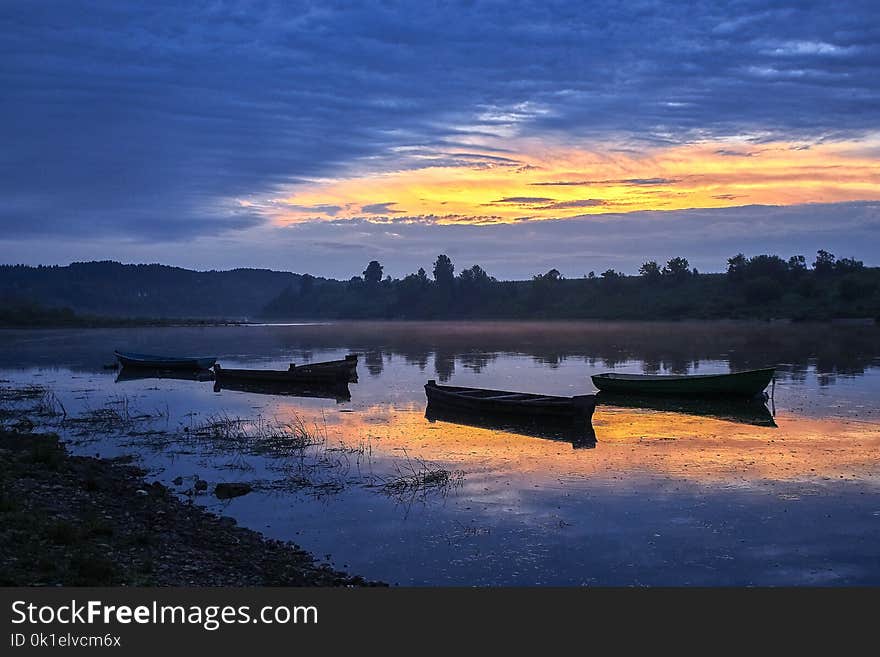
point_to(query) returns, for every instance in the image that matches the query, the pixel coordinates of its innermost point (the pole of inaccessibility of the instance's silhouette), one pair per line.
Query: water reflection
(140, 373)
(374, 361)
(834, 350)
(744, 411)
(676, 494)
(338, 392)
(577, 432)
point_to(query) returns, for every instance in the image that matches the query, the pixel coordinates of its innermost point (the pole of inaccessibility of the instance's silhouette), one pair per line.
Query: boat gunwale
(522, 401)
(626, 376)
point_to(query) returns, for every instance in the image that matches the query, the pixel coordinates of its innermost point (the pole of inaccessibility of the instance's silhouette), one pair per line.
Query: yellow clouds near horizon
(537, 182)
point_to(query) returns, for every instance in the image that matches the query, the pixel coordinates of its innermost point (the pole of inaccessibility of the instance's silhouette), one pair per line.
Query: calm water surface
(702, 497)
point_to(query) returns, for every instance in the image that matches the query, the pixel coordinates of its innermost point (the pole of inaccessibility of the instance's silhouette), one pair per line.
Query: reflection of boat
(347, 364)
(741, 384)
(504, 402)
(129, 359)
(338, 391)
(745, 410)
(577, 431)
(137, 373)
(296, 374)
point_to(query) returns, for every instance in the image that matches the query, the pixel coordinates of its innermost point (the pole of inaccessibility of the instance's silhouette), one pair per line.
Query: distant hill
(113, 289)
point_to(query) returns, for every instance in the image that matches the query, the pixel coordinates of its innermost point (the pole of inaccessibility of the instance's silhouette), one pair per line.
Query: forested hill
(113, 289)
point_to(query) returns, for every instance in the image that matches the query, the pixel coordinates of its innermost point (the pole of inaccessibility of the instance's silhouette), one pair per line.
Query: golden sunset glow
(540, 182)
(638, 442)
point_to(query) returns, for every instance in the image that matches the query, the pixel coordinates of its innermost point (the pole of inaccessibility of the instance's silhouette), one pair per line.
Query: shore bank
(79, 521)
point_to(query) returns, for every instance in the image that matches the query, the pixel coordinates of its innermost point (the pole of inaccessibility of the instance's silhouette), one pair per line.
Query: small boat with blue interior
(152, 361)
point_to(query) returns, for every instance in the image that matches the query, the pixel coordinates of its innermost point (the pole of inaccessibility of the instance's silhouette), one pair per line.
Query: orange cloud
(545, 182)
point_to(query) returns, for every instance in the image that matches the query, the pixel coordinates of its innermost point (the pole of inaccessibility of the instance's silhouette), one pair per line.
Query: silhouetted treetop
(373, 272)
(444, 270)
(650, 269)
(677, 268)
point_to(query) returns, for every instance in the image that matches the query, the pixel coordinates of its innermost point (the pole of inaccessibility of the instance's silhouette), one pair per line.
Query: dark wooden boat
(347, 364)
(576, 430)
(296, 374)
(742, 410)
(505, 402)
(152, 361)
(339, 392)
(749, 383)
(139, 373)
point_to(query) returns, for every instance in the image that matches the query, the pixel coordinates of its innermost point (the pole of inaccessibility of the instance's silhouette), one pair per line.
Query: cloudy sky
(517, 135)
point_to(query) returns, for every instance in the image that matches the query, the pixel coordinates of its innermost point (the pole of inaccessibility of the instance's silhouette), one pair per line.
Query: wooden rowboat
(347, 364)
(749, 383)
(296, 374)
(505, 402)
(130, 359)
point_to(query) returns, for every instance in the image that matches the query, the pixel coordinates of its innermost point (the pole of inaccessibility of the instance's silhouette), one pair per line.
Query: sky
(521, 136)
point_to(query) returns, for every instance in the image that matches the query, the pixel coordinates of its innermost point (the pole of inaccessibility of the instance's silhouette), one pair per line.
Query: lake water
(663, 497)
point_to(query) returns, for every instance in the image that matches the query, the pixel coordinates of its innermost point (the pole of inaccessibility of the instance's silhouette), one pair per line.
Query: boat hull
(503, 402)
(128, 359)
(346, 368)
(296, 375)
(737, 384)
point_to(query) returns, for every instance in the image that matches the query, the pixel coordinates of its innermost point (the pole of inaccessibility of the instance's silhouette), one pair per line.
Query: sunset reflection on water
(628, 443)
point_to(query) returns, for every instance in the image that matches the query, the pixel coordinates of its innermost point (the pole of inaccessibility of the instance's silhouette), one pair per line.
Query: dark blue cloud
(147, 120)
(381, 208)
(577, 203)
(522, 200)
(637, 182)
(728, 152)
(321, 208)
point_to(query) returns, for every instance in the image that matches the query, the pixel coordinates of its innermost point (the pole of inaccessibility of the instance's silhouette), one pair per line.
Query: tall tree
(677, 268)
(824, 264)
(444, 271)
(373, 272)
(797, 264)
(736, 267)
(650, 269)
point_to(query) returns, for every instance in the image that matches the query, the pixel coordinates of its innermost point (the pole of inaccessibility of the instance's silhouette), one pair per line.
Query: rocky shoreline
(79, 521)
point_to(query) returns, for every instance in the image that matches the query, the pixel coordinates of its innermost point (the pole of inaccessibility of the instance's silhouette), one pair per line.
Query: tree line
(761, 286)
(757, 286)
